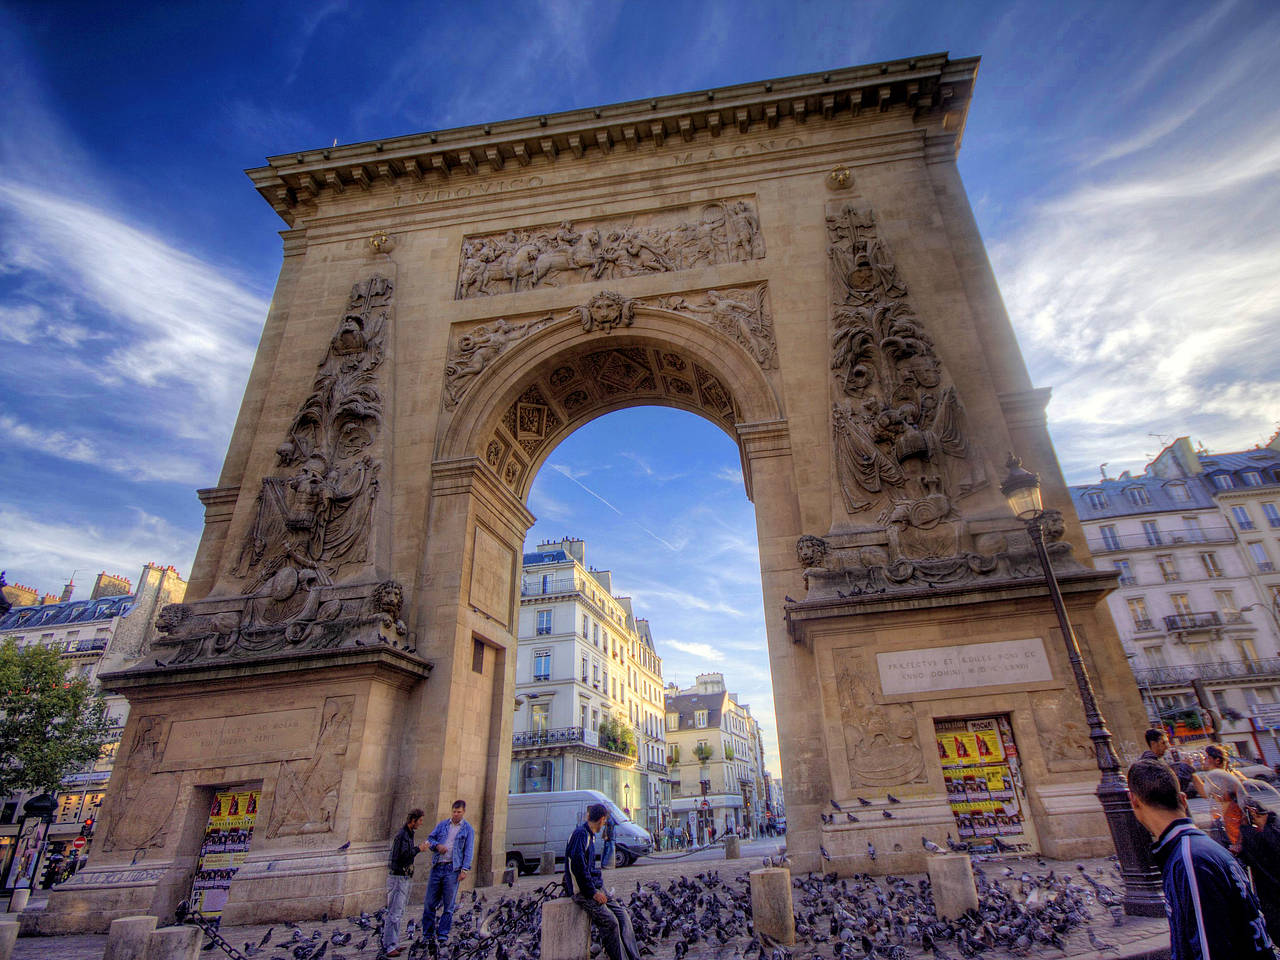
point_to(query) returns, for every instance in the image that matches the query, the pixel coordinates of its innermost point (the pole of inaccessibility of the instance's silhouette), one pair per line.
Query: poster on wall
(983, 783)
(227, 836)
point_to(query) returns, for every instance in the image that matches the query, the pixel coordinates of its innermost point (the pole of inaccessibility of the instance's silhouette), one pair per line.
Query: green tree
(50, 724)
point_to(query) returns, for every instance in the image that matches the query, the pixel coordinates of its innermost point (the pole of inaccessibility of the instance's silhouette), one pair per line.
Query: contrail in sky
(568, 475)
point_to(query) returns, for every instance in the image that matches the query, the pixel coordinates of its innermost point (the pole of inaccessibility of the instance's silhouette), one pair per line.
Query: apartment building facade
(1198, 599)
(589, 693)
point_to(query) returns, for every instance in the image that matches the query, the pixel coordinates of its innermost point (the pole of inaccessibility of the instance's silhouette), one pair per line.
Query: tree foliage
(617, 737)
(50, 724)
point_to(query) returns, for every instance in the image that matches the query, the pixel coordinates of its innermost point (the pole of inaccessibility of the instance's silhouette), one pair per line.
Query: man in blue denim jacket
(451, 843)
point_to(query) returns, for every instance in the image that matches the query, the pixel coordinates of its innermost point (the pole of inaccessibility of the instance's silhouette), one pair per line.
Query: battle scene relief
(682, 238)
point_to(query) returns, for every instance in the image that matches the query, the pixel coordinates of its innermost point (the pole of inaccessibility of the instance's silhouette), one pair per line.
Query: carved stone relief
(1063, 734)
(313, 522)
(145, 802)
(591, 379)
(881, 741)
(722, 231)
(306, 792)
(740, 313)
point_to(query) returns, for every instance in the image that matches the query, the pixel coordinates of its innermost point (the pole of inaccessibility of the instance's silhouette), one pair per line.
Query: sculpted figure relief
(479, 347)
(306, 791)
(680, 239)
(881, 741)
(899, 428)
(739, 313)
(147, 798)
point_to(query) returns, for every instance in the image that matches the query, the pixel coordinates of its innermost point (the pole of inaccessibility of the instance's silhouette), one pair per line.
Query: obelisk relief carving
(904, 461)
(304, 564)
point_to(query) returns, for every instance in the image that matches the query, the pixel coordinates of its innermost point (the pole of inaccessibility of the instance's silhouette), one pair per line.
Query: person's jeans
(442, 890)
(607, 855)
(397, 894)
(614, 923)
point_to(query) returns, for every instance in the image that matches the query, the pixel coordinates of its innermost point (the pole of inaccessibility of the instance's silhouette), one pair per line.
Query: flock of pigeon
(707, 915)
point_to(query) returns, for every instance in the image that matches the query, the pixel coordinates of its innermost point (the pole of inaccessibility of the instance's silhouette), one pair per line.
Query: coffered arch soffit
(532, 396)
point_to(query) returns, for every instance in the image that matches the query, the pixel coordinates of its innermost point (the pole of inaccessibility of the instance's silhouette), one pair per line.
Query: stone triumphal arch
(794, 260)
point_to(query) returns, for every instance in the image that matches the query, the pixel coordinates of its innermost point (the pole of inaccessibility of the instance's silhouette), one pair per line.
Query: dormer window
(1096, 499)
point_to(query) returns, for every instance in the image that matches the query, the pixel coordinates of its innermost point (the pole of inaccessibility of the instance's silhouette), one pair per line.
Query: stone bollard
(174, 943)
(771, 911)
(18, 901)
(954, 892)
(127, 938)
(8, 937)
(566, 931)
(732, 848)
(547, 866)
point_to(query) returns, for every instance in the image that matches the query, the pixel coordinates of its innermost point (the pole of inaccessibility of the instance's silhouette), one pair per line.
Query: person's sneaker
(393, 953)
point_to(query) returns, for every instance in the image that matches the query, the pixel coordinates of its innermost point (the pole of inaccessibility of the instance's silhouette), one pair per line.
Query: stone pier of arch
(795, 261)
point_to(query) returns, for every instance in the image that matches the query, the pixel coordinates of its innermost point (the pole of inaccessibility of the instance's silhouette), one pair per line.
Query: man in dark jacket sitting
(1213, 911)
(583, 882)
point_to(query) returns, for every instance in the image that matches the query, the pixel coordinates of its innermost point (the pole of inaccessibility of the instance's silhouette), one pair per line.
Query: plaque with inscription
(964, 666)
(252, 738)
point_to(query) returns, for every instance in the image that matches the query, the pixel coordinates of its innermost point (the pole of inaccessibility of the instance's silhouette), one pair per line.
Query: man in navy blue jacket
(1213, 912)
(607, 915)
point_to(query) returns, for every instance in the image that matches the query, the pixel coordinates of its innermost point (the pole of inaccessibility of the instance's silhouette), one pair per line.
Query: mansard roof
(74, 611)
(686, 704)
(1119, 502)
(929, 86)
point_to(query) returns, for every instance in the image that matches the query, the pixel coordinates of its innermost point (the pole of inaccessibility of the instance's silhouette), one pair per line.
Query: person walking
(399, 872)
(452, 843)
(1260, 852)
(583, 882)
(609, 851)
(1213, 911)
(1157, 744)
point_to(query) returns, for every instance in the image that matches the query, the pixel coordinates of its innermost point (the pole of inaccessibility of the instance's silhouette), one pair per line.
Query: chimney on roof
(69, 589)
(109, 585)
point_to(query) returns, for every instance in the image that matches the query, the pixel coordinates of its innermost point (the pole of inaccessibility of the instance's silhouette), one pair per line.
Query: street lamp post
(1142, 884)
(626, 794)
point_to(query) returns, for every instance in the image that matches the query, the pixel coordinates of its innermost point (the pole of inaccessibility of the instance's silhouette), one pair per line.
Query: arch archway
(528, 398)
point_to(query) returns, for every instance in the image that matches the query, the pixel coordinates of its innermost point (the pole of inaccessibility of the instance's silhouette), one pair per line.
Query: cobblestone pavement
(1135, 937)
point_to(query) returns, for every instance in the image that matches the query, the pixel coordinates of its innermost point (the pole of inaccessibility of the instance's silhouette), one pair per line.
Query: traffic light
(86, 828)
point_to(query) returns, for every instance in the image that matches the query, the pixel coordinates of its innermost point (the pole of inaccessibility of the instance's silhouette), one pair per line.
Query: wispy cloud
(568, 475)
(703, 651)
(48, 551)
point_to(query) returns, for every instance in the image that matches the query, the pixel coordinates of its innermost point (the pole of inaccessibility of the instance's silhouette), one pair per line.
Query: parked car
(544, 821)
(1259, 771)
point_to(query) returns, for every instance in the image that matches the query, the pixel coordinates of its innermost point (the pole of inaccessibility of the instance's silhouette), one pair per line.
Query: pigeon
(871, 850)
(886, 814)
(823, 850)
(344, 846)
(930, 845)
(265, 937)
(892, 799)
(957, 846)
(864, 801)
(787, 597)
(851, 818)
(836, 805)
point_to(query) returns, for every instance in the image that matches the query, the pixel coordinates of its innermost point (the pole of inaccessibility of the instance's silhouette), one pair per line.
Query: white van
(544, 821)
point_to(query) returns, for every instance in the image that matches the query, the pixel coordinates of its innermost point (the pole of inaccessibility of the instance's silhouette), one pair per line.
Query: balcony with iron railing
(1182, 622)
(563, 736)
(539, 588)
(1184, 674)
(1160, 538)
(1143, 626)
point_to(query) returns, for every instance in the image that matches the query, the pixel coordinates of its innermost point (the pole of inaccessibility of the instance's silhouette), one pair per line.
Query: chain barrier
(188, 914)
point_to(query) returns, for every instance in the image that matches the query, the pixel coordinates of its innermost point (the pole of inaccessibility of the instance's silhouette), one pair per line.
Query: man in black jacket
(1260, 852)
(1213, 912)
(608, 916)
(399, 872)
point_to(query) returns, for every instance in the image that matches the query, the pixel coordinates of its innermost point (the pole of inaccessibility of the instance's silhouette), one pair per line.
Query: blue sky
(1121, 159)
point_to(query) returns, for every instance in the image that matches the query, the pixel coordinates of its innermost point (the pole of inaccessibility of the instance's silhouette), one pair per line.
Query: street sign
(79, 843)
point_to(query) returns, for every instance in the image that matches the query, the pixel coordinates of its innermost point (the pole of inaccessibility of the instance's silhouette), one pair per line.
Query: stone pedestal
(954, 892)
(547, 866)
(566, 931)
(732, 848)
(127, 938)
(771, 910)
(8, 937)
(18, 901)
(174, 943)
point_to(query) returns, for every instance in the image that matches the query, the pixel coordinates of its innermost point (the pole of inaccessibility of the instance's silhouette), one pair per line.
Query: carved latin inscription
(217, 741)
(723, 231)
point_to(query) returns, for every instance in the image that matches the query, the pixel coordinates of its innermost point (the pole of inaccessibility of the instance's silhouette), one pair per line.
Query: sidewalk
(1138, 938)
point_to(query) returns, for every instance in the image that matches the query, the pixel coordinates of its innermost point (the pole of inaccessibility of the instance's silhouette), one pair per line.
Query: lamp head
(1021, 489)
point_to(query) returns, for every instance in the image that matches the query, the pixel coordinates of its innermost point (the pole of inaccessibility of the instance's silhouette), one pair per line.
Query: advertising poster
(981, 777)
(227, 836)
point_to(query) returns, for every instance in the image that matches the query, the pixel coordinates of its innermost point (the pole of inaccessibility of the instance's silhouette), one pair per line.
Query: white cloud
(48, 551)
(703, 651)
